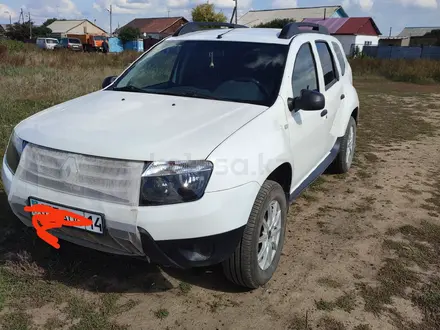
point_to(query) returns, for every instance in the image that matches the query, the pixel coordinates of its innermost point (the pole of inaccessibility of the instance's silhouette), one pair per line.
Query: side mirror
(308, 101)
(108, 81)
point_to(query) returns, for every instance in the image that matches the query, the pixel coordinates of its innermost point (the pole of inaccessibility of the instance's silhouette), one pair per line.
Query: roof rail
(293, 29)
(197, 26)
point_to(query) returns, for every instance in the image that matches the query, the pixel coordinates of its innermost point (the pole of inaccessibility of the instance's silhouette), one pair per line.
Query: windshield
(222, 70)
(98, 38)
(74, 41)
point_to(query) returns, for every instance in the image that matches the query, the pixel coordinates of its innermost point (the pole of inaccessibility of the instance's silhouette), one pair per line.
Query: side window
(304, 75)
(341, 57)
(327, 63)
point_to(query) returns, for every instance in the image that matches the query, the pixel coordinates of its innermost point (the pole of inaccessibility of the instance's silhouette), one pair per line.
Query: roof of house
(153, 24)
(416, 31)
(347, 25)
(4, 26)
(332, 24)
(255, 17)
(65, 26)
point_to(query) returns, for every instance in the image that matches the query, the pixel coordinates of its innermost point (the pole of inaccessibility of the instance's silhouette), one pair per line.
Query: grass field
(361, 251)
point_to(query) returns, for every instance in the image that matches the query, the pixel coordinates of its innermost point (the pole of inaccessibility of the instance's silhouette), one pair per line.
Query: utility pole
(391, 28)
(110, 11)
(21, 16)
(10, 18)
(235, 12)
(30, 26)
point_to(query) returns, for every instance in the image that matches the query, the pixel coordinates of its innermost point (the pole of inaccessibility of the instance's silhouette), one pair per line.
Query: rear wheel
(257, 256)
(343, 161)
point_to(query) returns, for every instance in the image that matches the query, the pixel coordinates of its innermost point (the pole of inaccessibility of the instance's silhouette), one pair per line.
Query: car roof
(261, 35)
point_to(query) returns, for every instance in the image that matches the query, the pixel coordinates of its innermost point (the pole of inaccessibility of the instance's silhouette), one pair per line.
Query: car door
(332, 89)
(307, 136)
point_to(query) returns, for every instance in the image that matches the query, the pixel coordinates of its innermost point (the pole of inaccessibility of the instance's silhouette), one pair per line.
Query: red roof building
(157, 27)
(353, 32)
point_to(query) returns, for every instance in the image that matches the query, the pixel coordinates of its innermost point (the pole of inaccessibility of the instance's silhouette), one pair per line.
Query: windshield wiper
(129, 88)
(198, 95)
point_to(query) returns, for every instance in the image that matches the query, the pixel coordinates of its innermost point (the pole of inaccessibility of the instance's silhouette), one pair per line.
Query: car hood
(137, 126)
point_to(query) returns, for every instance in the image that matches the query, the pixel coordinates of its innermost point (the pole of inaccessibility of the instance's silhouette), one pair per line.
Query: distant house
(157, 27)
(78, 27)
(419, 36)
(3, 29)
(352, 32)
(255, 17)
(394, 41)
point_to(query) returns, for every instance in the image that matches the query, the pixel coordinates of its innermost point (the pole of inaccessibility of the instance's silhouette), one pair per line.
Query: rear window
(340, 56)
(327, 63)
(74, 41)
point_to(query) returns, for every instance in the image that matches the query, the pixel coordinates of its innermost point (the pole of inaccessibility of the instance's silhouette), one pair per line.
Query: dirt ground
(361, 250)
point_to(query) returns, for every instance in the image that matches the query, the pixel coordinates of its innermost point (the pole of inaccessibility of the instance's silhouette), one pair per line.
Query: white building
(255, 17)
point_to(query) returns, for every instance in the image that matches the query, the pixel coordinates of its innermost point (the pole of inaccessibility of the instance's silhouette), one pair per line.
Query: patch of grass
(346, 302)
(414, 71)
(324, 305)
(428, 300)
(299, 323)
(309, 197)
(363, 174)
(371, 158)
(184, 288)
(161, 313)
(329, 282)
(17, 320)
(318, 185)
(93, 314)
(409, 189)
(362, 327)
(329, 323)
(54, 323)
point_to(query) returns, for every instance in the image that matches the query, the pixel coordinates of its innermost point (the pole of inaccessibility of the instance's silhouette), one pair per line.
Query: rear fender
(351, 103)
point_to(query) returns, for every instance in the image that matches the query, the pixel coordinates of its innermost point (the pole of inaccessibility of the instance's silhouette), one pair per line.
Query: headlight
(174, 182)
(14, 151)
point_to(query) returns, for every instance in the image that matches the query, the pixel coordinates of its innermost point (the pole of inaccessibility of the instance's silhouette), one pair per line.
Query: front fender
(351, 103)
(252, 153)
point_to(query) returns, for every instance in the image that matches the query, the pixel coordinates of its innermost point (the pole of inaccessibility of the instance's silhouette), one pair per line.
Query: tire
(243, 267)
(344, 159)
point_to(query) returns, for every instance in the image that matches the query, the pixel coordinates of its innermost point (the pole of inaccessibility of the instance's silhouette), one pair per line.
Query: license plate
(98, 220)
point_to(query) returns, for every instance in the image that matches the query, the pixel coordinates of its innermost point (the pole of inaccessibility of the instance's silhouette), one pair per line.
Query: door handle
(342, 96)
(324, 113)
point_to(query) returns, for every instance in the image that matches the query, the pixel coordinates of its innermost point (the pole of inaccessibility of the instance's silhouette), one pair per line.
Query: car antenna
(221, 35)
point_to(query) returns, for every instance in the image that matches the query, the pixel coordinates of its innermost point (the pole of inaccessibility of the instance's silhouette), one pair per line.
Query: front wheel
(257, 256)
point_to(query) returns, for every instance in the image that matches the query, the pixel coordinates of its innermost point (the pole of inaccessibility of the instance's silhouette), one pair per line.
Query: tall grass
(415, 71)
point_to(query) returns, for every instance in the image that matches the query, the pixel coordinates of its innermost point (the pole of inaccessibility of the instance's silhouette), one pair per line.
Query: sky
(394, 14)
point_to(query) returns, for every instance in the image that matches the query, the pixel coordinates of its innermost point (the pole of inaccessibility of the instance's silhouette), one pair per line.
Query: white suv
(193, 154)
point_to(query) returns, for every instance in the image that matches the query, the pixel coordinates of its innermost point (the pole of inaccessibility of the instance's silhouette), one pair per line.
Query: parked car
(72, 44)
(47, 43)
(192, 156)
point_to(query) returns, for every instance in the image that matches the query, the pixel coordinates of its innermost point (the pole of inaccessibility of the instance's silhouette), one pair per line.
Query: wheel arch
(283, 176)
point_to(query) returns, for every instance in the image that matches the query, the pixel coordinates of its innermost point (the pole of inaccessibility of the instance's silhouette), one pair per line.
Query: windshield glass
(74, 41)
(98, 38)
(222, 70)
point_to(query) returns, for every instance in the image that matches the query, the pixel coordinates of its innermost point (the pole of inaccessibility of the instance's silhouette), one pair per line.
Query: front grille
(110, 180)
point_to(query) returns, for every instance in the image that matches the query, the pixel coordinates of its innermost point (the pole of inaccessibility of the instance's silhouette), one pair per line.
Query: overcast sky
(386, 13)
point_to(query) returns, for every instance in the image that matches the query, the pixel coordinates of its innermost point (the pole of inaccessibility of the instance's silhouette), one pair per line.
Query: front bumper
(185, 235)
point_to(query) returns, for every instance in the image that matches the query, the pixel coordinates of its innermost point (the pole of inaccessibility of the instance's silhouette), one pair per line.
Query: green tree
(19, 31)
(129, 33)
(206, 13)
(278, 23)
